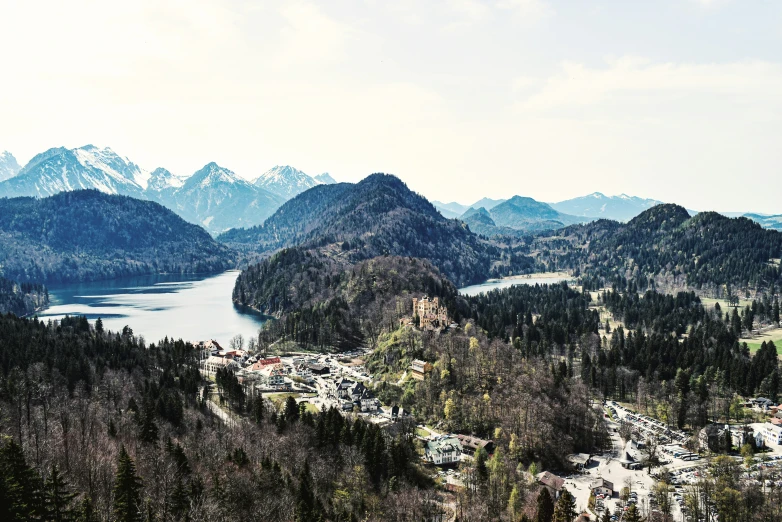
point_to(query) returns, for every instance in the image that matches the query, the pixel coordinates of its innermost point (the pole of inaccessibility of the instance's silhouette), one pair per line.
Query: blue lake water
(498, 284)
(192, 308)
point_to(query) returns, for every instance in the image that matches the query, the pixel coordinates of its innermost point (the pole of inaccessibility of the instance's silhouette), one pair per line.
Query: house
(368, 401)
(580, 460)
(712, 437)
(762, 403)
(357, 391)
(742, 435)
(420, 368)
(342, 389)
(214, 363)
(551, 482)
(772, 434)
(601, 486)
(318, 369)
(274, 376)
(471, 444)
(443, 450)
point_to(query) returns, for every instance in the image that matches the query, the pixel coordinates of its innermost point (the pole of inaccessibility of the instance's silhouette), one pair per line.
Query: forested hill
(667, 248)
(21, 299)
(88, 235)
(377, 216)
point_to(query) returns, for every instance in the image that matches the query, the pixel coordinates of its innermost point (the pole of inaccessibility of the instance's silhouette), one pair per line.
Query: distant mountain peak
(285, 181)
(597, 205)
(9, 167)
(325, 179)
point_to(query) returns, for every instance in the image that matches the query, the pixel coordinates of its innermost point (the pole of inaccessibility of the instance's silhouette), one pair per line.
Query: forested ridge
(378, 216)
(665, 248)
(22, 299)
(87, 235)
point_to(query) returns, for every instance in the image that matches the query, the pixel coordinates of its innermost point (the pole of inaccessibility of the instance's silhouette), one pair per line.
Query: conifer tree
(545, 507)
(127, 490)
(21, 485)
(57, 498)
(565, 509)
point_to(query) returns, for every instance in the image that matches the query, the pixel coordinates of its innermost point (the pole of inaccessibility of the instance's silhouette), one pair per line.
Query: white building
(213, 363)
(443, 450)
(772, 434)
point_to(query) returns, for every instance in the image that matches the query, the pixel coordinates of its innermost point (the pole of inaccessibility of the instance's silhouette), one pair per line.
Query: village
(604, 486)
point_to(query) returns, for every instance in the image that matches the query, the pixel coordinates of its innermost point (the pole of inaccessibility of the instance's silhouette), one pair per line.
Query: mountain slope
(218, 199)
(286, 182)
(598, 205)
(59, 170)
(522, 213)
(21, 299)
(8, 166)
(666, 247)
(88, 235)
(377, 216)
(488, 203)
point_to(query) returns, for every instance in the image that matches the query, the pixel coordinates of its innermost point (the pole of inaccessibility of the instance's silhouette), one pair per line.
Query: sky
(677, 100)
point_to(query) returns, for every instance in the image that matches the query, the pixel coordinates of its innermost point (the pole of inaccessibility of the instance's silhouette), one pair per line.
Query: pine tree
(291, 410)
(306, 503)
(127, 490)
(632, 515)
(57, 498)
(21, 485)
(148, 429)
(565, 509)
(86, 511)
(258, 409)
(545, 507)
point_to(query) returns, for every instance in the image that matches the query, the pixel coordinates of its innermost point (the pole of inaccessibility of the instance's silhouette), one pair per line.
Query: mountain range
(213, 197)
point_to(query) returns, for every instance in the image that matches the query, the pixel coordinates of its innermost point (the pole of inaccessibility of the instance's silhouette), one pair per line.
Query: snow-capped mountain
(325, 179)
(8, 166)
(598, 205)
(218, 199)
(162, 180)
(89, 167)
(285, 181)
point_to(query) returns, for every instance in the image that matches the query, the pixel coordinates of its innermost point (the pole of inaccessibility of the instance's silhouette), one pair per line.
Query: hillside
(480, 222)
(377, 216)
(664, 246)
(88, 235)
(21, 299)
(326, 303)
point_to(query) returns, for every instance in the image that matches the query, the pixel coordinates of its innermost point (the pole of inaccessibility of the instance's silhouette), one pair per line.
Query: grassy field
(422, 432)
(709, 302)
(771, 335)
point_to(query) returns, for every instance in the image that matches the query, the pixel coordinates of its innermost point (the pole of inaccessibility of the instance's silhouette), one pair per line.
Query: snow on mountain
(325, 179)
(285, 181)
(218, 199)
(89, 167)
(161, 180)
(598, 205)
(8, 166)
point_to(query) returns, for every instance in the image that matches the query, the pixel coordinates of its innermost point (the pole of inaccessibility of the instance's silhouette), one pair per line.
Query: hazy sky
(679, 100)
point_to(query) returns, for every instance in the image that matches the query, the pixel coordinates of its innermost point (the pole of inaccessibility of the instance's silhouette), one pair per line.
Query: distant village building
(429, 312)
(602, 486)
(214, 363)
(580, 460)
(772, 434)
(443, 450)
(471, 444)
(420, 368)
(551, 482)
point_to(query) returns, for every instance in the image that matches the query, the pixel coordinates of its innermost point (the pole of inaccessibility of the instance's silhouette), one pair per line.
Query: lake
(507, 282)
(191, 307)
